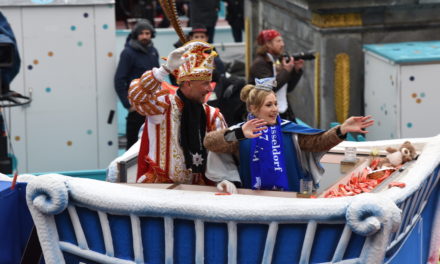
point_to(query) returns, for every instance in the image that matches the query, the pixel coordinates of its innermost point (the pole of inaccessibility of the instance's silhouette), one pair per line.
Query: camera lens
(304, 55)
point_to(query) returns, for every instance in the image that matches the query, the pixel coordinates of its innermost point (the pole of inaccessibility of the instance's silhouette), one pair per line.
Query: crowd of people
(195, 12)
(187, 139)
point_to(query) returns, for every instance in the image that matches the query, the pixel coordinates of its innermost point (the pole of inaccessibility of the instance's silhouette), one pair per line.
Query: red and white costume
(161, 158)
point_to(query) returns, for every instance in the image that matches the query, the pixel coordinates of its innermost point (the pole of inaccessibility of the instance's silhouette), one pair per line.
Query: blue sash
(294, 170)
(268, 168)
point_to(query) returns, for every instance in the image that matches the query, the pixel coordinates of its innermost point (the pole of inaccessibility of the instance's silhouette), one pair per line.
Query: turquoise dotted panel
(406, 52)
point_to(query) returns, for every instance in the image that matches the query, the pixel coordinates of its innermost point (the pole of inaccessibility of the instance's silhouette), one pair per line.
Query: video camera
(310, 55)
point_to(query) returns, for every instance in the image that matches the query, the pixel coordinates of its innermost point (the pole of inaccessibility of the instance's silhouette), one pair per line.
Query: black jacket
(204, 12)
(235, 11)
(262, 68)
(132, 64)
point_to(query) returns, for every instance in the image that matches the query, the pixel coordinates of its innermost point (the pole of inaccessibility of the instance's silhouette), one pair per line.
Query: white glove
(227, 186)
(173, 62)
(175, 58)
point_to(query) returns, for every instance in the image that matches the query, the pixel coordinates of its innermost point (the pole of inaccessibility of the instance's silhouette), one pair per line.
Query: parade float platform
(90, 221)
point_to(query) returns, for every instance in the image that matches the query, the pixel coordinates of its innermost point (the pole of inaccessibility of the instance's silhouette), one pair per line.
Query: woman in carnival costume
(274, 154)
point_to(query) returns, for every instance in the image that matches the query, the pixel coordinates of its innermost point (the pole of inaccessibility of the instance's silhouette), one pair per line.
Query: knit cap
(142, 25)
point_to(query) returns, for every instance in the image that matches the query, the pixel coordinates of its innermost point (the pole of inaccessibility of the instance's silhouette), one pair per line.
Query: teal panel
(407, 52)
(90, 174)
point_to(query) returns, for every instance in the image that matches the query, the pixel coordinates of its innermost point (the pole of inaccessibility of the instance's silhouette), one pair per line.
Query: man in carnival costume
(172, 148)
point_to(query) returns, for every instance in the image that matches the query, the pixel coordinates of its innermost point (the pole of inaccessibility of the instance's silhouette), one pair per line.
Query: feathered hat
(199, 64)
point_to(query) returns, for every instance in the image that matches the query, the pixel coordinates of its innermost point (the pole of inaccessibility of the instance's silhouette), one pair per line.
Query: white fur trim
(160, 74)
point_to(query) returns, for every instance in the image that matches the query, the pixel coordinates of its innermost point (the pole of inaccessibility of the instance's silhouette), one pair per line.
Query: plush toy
(396, 157)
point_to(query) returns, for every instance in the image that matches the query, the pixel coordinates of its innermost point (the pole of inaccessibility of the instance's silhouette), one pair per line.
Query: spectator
(227, 92)
(235, 18)
(138, 56)
(270, 63)
(205, 12)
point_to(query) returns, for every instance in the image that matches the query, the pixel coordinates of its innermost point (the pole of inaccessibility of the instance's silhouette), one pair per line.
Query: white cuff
(160, 74)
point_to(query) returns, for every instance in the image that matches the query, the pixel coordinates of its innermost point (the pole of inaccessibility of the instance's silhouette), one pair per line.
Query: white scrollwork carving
(48, 194)
(368, 213)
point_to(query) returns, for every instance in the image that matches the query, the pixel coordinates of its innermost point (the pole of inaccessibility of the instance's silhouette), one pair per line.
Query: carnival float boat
(88, 221)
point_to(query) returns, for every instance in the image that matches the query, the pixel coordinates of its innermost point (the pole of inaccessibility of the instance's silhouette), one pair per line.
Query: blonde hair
(252, 96)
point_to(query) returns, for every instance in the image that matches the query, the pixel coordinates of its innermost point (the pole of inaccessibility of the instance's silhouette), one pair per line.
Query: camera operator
(270, 62)
(9, 57)
(9, 68)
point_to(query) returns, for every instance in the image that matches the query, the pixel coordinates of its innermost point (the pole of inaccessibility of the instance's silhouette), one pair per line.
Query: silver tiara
(266, 84)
